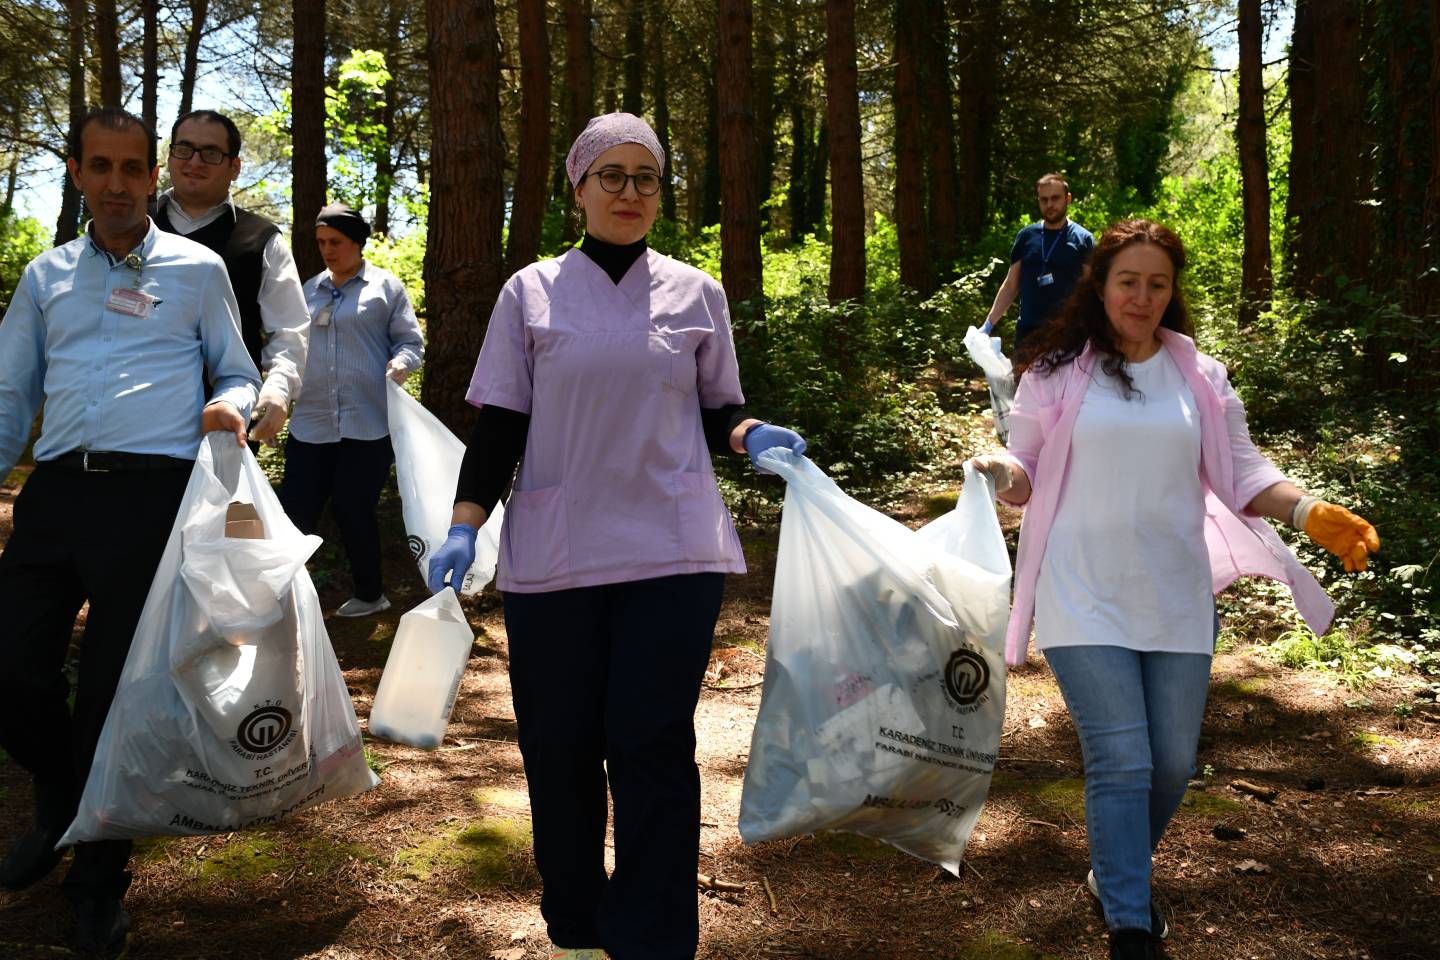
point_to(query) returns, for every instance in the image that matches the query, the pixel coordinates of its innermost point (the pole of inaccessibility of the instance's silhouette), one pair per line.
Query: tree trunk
(200, 9)
(818, 176)
(847, 197)
(385, 154)
(150, 66)
(463, 257)
(307, 129)
(975, 61)
(710, 191)
(1302, 132)
(1254, 168)
(763, 85)
(937, 103)
(1337, 171)
(1429, 293)
(527, 214)
(797, 193)
(579, 84)
(659, 26)
(107, 49)
(67, 224)
(740, 210)
(632, 100)
(910, 224)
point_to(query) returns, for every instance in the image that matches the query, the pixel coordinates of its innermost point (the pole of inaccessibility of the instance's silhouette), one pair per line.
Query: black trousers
(606, 680)
(350, 475)
(77, 536)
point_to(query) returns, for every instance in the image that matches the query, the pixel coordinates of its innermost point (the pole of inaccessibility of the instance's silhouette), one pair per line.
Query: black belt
(108, 461)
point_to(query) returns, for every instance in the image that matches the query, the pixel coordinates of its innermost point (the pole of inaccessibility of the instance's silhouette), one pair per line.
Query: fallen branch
(1260, 793)
(1043, 823)
(708, 882)
(774, 909)
(737, 686)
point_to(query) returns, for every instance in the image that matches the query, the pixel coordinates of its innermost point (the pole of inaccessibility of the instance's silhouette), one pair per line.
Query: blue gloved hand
(764, 436)
(453, 558)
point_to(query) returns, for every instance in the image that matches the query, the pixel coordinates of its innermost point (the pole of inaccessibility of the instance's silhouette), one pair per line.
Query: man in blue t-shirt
(1046, 262)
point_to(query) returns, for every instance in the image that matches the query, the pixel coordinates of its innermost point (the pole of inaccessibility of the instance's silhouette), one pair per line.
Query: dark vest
(240, 239)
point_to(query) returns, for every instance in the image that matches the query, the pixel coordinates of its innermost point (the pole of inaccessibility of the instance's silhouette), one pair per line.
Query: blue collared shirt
(371, 324)
(111, 381)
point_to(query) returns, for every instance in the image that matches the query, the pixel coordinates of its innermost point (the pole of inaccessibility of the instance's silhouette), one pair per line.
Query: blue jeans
(1138, 716)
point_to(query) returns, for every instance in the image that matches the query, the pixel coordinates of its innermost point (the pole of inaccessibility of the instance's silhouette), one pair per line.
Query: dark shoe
(101, 924)
(1134, 945)
(31, 858)
(1159, 927)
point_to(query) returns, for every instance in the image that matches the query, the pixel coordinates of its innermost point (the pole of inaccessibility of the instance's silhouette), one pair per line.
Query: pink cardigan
(1232, 471)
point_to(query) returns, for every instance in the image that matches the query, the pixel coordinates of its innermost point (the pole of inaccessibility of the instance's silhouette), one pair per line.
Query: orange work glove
(1344, 534)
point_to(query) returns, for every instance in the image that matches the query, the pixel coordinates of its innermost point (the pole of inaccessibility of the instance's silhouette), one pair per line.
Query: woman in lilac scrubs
(609, 375)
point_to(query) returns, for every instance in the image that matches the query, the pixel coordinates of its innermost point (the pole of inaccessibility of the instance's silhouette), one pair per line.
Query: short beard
(1057, 220)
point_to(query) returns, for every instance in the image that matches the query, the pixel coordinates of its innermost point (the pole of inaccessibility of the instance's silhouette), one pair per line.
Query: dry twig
(774, 909)
(707, 882)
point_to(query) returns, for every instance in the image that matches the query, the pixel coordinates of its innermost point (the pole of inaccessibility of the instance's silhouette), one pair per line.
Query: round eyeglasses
(210, 155)
(613, 181)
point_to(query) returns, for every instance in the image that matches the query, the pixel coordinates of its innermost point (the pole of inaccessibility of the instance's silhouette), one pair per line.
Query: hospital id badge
(131, 303)
(1045, 279)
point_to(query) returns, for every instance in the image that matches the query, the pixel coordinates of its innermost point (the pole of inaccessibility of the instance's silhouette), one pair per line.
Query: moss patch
(992, 946)
(480, 853)
(853, 846)
(149, 849)
(1248, 687)
(1067, 795)
(244, 859)
(939, 504)
(1203, 804)
(501, 797)
(1366, 741)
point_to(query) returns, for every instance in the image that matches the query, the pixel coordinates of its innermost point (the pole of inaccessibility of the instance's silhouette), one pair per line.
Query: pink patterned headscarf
(606, 131)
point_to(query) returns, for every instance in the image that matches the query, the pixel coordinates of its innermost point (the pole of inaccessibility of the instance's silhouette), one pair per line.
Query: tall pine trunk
(975, 114)
(150, 63)
(67, 224)
(190, 67)
(107, 47)
(307, 130)
(1254, 168)
(739, 209)
(463, 256)
(847, 197)
(579, 84)
(937, 104)
(632, 98)
(527, 214)
(660, 92)
(909, 151)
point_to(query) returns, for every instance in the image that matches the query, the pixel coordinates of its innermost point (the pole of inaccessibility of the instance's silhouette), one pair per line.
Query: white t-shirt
(1126, 563)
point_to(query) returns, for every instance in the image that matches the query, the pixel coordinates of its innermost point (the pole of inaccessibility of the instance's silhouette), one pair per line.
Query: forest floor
(1341, 862)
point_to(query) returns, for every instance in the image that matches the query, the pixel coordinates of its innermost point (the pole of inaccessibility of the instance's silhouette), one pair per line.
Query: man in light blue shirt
(113, 333)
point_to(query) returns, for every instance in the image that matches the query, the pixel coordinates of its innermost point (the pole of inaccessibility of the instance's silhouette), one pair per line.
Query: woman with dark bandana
(609, 375)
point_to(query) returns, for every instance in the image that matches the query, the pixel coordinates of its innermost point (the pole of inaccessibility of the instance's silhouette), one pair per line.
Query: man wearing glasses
(204, 161)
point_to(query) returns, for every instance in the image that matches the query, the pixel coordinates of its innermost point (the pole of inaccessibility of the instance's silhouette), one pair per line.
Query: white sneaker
(355, 607)
(1159, 927)
(576, 953)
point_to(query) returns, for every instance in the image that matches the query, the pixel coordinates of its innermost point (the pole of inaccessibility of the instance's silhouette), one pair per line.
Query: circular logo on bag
(265, 730)
(417, 547)
(967, 675)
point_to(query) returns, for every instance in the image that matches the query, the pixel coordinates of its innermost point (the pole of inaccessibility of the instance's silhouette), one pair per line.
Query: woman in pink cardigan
(1144, 496)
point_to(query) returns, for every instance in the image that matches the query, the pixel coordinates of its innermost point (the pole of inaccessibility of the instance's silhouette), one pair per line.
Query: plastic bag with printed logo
(427, 466)
(999, 375)
(231, 711)
(885, 677)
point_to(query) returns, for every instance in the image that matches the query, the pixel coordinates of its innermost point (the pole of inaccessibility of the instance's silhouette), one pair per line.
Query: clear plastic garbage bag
(427, 466)
(884, 685)
(999, 374)
(231, 711)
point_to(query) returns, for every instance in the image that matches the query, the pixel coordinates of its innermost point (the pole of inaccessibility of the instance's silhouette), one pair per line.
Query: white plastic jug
(422, 674)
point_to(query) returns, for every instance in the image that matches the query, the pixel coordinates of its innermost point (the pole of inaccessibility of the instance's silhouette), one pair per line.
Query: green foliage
(1354, 664)
(353, 122)
(22, 239)
(403, 256)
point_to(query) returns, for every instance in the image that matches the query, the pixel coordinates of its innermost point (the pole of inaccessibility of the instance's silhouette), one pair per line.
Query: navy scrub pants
(349, 474)
(606, 680)
(77, 537)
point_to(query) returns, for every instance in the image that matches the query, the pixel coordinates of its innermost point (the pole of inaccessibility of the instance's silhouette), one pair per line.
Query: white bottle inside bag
(422, 674)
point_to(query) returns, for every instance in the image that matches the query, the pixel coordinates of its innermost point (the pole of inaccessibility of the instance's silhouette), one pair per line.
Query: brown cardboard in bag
(243, 523)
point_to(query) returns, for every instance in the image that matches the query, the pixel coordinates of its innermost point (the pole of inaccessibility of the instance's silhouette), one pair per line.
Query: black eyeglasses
(613, 181)
(210, 155)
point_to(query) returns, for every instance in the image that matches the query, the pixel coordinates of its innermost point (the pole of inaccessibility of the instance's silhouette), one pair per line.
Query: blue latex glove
(760, 438)
(453, 559)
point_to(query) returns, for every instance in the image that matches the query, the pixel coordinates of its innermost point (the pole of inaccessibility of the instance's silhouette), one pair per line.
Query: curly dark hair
(1082, 319)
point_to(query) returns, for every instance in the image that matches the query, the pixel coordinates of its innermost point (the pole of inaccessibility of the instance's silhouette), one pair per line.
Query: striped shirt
(370, 324)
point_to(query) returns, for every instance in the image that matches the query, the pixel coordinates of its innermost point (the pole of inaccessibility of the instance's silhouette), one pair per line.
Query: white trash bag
(999, 374)
(427, 466)
(885, 676)
(231, 711)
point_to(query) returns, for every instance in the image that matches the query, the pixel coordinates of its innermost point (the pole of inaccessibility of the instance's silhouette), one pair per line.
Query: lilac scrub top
(616, 482)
